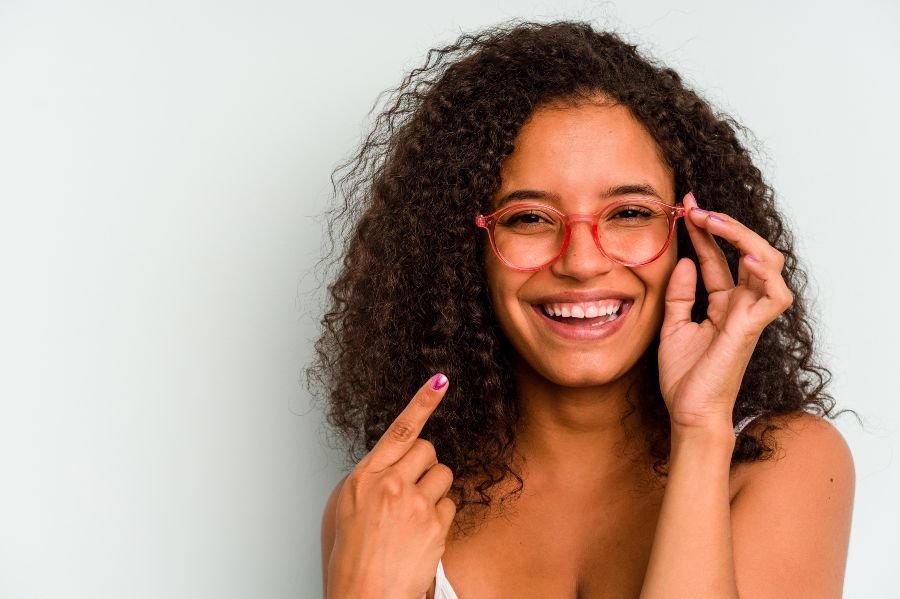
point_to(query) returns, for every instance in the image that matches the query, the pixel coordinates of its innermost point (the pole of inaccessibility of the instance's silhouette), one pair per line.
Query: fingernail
(752, 258)
(438, 381)
(699, 211)
(693, 199)
(716, 218)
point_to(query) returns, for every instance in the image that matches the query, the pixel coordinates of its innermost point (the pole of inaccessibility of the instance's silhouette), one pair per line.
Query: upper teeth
(583, 309)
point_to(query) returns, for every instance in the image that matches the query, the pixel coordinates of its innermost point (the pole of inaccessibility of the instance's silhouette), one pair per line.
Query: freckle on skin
(831, 480)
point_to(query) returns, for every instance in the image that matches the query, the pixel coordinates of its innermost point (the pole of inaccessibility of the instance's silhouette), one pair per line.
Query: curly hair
(410, 297)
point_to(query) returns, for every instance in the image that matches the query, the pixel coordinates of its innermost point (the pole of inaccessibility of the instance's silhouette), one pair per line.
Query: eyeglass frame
(488, 222)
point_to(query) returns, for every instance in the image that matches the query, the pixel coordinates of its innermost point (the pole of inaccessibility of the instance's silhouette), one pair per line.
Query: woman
(633, 406)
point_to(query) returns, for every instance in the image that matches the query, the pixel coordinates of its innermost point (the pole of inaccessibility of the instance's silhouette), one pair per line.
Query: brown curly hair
(410, 297)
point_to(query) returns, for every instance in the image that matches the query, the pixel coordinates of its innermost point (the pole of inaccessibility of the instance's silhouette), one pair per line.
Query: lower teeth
(611, 318)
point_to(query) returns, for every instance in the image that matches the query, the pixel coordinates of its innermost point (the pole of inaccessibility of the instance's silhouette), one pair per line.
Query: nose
(582, 259)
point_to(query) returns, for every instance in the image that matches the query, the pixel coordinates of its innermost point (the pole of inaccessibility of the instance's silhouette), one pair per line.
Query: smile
(584, 320)
(584, 310)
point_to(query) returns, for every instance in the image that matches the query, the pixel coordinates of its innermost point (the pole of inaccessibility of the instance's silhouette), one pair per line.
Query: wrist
(710, 426)
(713, 438)
(348, 582)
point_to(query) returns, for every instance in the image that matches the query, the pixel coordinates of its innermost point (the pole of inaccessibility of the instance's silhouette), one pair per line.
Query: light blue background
(161, 167)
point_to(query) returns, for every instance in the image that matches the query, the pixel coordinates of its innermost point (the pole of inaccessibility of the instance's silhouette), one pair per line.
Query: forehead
(579, 152)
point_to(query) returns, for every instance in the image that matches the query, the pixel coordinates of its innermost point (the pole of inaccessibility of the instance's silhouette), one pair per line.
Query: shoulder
(791, 515)
(804, 445)
(329, 522)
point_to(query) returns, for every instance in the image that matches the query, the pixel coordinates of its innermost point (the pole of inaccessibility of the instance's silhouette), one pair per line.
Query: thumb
(680, 294)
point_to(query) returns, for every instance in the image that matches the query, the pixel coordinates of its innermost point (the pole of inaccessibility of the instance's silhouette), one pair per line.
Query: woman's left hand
(701, 365)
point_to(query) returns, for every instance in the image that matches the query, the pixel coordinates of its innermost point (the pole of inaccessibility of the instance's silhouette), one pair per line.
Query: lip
(584, 333)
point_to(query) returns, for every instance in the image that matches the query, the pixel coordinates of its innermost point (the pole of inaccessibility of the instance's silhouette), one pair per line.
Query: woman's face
(581, 155)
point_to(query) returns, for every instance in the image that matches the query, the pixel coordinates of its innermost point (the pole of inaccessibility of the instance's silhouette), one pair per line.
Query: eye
(633, 212)
(527, 219)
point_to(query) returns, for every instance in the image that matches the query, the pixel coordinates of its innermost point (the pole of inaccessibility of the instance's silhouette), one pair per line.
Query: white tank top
(442, 588)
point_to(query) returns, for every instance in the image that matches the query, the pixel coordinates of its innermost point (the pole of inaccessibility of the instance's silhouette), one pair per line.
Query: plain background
(162, 168)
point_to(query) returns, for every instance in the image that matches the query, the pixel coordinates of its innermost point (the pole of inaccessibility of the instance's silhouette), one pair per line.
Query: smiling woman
(622, 364)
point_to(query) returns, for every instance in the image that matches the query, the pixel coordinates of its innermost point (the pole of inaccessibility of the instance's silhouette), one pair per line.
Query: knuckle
(354, 480)
(391, 485)
(444, 471)
(434, 529)
(447, 510)
(788, 299)
(401, 430)
(426, 446)
(420, 504)
(451, 506)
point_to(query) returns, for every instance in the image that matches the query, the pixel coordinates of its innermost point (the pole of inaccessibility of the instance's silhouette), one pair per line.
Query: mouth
(588, 321)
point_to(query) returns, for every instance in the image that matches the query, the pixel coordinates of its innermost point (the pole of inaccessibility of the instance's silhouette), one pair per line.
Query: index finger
(404, 430)
(713, 266)
(736, 233)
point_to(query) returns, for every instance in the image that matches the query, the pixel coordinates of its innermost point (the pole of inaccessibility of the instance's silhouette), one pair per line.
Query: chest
(555, 546)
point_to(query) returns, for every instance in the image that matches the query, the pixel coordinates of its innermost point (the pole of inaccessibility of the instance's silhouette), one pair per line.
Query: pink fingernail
(752, 257)
(699, 211)
(438, 381)
(693, 199)
(716, 218)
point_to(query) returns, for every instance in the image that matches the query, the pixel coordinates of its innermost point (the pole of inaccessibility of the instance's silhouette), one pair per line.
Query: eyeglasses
(530, 237)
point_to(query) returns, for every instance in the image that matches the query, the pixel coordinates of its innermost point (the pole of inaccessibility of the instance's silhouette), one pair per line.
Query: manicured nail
(752, 258)
(693, 199)
(438, 381)
(699, 211)
(716, 218)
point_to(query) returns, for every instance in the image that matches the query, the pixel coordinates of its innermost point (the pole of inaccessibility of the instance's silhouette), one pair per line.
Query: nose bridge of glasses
(585, 217)
(573, 219)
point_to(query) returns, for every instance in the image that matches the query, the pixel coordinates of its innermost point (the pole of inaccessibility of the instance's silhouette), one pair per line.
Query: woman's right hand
(393, 513)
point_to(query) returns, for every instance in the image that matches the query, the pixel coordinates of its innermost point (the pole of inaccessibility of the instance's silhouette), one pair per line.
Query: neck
(579, 436)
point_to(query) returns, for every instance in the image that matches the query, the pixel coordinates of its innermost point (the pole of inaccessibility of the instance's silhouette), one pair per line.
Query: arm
(329, 517)
(791, 519)
(785, 534)
(692, 547)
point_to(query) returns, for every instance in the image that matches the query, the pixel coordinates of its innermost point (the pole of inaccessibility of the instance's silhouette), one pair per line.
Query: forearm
(692, 553)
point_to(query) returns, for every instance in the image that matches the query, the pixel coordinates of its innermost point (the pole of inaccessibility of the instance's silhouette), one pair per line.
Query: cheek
(655, 277)
(503, 286)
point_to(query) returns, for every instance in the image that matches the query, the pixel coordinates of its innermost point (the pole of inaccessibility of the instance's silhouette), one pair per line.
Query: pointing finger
(404, 430)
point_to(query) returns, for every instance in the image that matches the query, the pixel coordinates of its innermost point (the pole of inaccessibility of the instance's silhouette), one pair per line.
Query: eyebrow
(617, 190)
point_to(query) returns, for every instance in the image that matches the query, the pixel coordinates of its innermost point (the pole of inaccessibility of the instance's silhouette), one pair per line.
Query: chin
(577, 371)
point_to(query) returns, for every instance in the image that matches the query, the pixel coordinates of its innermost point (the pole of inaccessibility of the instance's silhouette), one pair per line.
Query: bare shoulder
(791, 515)
(806, 446)
(329, 521)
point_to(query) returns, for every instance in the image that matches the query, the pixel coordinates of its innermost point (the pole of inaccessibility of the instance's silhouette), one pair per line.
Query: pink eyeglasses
(532, 236)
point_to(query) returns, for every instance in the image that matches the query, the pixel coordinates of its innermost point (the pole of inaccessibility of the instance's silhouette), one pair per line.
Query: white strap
(743, 423)
(442, 588)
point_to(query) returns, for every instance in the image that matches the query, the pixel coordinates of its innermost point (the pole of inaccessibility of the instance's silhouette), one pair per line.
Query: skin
(592, 521)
